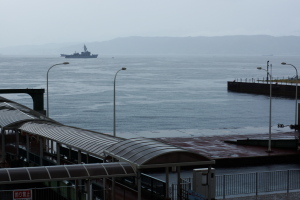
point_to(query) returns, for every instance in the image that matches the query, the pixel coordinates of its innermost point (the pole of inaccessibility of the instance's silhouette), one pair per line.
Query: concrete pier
(278, 89)
(233, 153)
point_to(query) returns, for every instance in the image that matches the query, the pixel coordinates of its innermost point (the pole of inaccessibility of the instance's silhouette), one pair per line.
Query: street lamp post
(64, 63)
(270, 114)
(267, 71)
(296, 98)
(123, 68)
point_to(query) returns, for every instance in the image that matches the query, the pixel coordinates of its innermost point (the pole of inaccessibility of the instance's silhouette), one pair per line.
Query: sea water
(156, 96)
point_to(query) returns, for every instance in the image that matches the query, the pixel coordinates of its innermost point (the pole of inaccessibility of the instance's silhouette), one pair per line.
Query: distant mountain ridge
(135, 45)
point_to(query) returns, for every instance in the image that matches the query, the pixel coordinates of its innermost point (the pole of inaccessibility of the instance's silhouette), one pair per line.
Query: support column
(47, 146)
(167, 183)
(17, 142)
(209, 182)
(178, 184)
(104, 182)
(88, 189)
(113, 188)
(298, 114)
(3, 145)
(79, 157)
(41, 151)
(70, 153)
(76, 190)
(58, 153)
(113, 181)
(104, 188)
(139, 185)
(87, 158)
(52, 149)
(27, 147)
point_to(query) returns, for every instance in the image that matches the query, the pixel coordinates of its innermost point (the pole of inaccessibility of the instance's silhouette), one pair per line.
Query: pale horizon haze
(37, 22)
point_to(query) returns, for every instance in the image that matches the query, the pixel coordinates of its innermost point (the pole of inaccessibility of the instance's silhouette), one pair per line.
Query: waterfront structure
(35, 139)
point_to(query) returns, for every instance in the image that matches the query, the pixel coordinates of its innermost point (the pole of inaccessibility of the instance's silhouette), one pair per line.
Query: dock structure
(278, 88)
(30, 139)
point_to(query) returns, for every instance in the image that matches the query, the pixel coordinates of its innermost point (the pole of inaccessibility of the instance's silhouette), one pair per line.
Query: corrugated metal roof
(88, 141)
(145, 153)
(12, 113)
(65, 172)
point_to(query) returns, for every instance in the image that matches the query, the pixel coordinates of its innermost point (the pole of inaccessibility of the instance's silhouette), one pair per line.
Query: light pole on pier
(267, 71)
(296, 98)
(123, 68)
(270, 114)
(64, 63)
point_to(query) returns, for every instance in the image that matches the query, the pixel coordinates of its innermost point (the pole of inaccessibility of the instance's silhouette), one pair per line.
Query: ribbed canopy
(149, 153)
(88, 141)
(12, 113)
(65, 172)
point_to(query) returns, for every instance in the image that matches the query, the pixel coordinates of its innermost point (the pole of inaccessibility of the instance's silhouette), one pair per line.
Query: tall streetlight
(283, 63)
(267, 71)
(123, 68)
(270, 115)
(64, 63)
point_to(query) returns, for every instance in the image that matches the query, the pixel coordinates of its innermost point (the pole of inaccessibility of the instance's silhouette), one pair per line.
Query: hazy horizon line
(77, 42)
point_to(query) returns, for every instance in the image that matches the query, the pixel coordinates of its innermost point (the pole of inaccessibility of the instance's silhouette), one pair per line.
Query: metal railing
(277, 80)
(247, 184)
(257, 183)
(185, 186)
(154, 188)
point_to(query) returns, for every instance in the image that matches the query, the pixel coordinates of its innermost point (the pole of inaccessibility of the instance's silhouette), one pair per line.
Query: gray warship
(84, 54)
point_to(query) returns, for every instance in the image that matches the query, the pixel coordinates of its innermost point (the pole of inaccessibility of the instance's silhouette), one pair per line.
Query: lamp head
(259, 68)
(283, 63)
(65, 63)
(123, 68)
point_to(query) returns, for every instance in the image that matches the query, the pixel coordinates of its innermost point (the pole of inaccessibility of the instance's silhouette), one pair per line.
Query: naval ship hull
(76, 56)
(84, 54)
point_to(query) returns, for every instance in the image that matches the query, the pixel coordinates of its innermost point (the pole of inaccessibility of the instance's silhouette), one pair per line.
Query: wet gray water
(156, 96)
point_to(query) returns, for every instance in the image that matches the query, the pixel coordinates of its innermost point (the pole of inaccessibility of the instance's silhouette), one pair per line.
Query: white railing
(247, 184)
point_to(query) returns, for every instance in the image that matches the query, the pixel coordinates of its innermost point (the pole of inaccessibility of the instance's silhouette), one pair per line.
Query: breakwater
(263, 88)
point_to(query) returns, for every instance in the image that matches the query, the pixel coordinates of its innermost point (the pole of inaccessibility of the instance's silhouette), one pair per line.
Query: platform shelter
(37, 138)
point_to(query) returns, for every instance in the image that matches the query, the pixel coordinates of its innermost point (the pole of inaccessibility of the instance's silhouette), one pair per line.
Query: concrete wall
(263, 88)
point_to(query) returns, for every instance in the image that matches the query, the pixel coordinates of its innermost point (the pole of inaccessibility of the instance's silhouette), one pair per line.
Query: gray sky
(25, 22)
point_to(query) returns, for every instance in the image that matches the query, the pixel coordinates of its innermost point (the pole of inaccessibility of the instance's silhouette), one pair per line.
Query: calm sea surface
(157, 96)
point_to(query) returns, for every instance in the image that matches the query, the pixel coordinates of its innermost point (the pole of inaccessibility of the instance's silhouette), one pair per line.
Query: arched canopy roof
(149, 153)
(65, 172)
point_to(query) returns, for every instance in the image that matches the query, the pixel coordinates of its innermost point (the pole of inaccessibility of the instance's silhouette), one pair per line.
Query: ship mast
(85, 49)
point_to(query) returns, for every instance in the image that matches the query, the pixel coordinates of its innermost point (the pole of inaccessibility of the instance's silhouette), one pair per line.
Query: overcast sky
(25, 22)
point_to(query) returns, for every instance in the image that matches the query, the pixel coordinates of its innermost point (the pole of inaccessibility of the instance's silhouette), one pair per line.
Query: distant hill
(225, 45)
